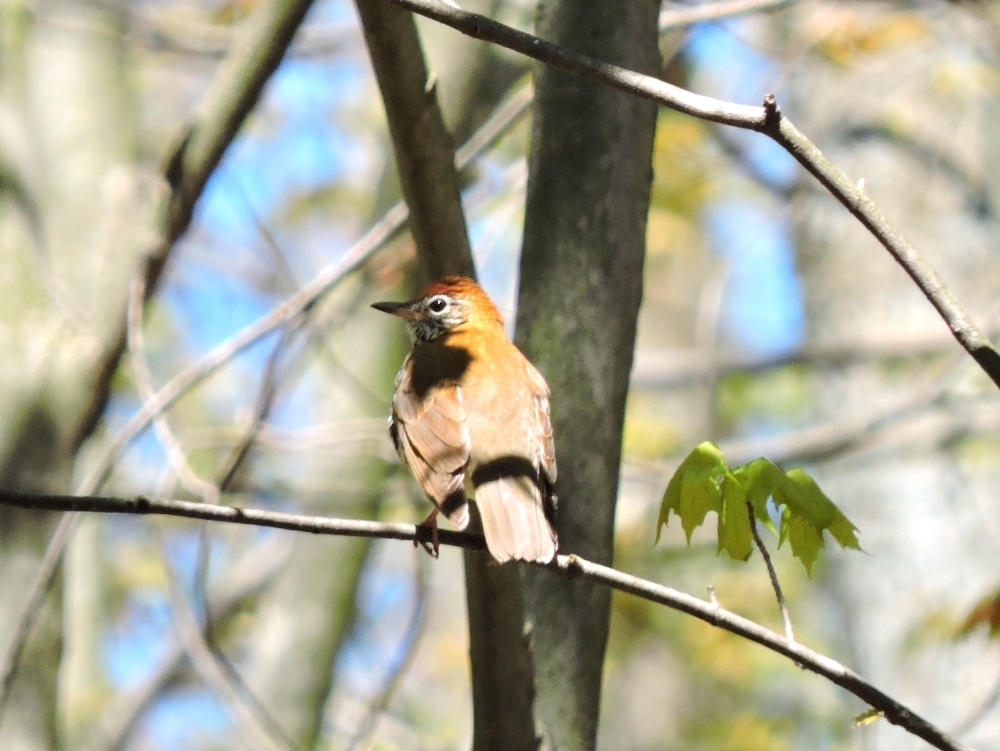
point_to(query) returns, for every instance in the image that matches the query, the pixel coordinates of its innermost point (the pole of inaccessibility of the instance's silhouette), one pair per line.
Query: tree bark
(425, 156)
(589, 183)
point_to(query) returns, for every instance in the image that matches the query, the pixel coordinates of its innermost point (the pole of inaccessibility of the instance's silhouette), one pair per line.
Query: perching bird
(470, 410)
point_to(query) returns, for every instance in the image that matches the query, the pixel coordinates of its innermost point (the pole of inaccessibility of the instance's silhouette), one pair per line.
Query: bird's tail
(511, 505)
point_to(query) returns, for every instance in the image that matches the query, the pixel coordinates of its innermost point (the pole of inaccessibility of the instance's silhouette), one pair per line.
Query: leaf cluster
(704, 482)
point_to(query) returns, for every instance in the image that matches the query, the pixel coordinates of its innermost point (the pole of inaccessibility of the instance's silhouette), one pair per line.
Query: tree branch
(775, 584)
(671, 18)
(232, 93)
(768, 120)
(395, 219)
(424, 149)
(570, 566)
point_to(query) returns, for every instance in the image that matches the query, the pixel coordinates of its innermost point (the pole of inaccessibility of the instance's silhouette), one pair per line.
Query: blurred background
(772, 324)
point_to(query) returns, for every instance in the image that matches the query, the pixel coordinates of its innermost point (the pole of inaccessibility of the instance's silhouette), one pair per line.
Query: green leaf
(693, 491)
(809, 512)
(735, 536)
(703, 483)
(760, 478)
(842, 529)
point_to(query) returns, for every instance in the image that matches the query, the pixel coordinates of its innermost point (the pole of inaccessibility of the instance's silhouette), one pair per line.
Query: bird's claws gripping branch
(566, 565)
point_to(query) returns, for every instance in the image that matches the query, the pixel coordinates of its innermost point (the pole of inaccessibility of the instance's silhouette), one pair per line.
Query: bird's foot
(432, 547)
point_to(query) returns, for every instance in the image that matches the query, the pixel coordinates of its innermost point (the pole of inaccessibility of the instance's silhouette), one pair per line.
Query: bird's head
(443, 307)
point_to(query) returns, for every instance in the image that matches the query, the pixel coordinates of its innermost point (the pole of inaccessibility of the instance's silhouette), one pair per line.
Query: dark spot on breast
(437, 364)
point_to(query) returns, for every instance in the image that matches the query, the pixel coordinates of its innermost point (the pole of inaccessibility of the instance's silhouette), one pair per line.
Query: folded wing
(432, 439)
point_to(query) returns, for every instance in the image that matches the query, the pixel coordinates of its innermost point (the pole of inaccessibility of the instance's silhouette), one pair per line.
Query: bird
(470, 413)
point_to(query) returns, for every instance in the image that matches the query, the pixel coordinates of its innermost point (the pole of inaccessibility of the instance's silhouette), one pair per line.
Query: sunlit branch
(768, 120)
(249, 725)
(564, 565)
(502, 120)
(411, 644)
(775, 584)
(187, 477)
(671, 18)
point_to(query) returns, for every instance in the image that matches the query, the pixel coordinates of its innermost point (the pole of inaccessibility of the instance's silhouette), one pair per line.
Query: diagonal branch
(671, 18)
(231, 95)
(768, 120)
(424, 149)
(229, 98)
(570, 566)
(502, 120)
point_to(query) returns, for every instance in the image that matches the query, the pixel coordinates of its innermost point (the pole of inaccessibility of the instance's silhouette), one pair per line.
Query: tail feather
(514, 519)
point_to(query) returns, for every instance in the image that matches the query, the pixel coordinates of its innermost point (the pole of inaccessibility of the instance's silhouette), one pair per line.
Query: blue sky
(294, 145)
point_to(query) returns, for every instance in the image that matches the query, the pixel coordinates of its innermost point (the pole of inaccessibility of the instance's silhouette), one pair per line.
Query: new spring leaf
(704, 482)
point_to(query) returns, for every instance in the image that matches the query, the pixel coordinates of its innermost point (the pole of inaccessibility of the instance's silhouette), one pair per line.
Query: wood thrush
(469, 410)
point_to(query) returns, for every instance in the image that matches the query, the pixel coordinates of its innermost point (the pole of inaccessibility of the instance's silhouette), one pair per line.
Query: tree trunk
(581, 284)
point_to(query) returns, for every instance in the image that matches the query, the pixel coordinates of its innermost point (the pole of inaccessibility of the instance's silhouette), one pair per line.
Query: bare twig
(506, 116)
(33, 606)
(248, 725)
(782, 605)
(247, 577)
(768, 120)
(232, 93)
(188, 478)
(671, 18)
(565, 565)
(670, 368)
(408, 652)
(830, 438)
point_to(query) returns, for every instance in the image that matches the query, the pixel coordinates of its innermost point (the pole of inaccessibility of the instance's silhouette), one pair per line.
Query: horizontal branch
(768, 120)
(674, 17)
(566, 565)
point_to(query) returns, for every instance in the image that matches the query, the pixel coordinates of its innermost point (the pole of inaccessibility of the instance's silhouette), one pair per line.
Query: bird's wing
(514, 494)
(547, 453)
(432, 438)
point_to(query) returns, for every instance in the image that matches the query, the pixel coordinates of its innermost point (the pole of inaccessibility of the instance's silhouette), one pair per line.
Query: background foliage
(772, 325)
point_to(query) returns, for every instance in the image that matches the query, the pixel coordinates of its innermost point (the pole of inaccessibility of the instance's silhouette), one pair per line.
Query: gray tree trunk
(581, 284)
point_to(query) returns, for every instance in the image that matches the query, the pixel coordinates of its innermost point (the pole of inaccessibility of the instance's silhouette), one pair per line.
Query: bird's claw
(432, 548)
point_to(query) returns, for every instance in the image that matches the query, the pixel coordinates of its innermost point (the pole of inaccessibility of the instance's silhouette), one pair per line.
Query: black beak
(393, 308)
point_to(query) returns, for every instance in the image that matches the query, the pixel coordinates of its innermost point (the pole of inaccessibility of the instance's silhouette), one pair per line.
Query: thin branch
(36, 599)
(248, 725)
(782, 605)
(671, 368)
(768, 120)
(187, 477)
(247, 577)
(827, 439)
(409, 648)
(571, 566)
(233, 92)
(672, 18)
(506, 116)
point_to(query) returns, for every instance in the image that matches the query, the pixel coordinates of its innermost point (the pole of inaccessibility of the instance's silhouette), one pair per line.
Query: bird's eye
(438, 305)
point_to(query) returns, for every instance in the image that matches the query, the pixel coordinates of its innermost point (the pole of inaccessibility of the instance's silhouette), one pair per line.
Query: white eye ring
(438, 304)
